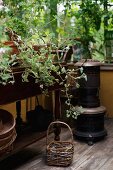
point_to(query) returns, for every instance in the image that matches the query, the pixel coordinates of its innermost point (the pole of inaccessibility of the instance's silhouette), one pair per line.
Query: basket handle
(58, 122)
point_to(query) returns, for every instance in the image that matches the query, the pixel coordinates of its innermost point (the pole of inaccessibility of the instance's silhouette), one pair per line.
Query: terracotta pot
(38, 47)
(8, 124)
(13, 46)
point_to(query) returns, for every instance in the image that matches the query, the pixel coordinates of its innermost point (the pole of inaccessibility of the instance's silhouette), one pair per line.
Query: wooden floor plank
(108, 165)
(96, 157)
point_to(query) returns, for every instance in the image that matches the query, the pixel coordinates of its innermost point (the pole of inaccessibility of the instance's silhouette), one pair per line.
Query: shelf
(23, 140)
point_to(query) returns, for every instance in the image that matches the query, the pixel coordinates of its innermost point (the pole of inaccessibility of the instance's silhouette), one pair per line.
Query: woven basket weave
(59, 153)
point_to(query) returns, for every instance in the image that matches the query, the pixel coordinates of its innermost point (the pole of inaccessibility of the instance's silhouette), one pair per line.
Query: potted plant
(37, 65)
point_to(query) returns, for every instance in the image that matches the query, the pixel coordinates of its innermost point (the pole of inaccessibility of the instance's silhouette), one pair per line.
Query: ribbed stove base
(89, 137)
(90, 125)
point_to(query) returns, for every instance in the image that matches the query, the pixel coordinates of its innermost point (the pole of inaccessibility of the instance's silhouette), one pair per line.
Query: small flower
(81, 70)
(41, 86)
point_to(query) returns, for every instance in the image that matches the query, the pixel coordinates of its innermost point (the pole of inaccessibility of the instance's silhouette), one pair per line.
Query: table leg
(57, 105)
(18, 110)
(19, 121)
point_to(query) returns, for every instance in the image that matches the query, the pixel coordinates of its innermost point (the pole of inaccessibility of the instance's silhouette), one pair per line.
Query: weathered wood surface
(96, 157)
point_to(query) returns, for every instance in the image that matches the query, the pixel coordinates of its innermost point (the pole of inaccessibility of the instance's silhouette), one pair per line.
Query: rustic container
(59, 153)
(7, 131)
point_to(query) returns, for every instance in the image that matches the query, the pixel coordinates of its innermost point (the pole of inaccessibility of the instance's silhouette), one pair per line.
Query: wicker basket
(59, 153)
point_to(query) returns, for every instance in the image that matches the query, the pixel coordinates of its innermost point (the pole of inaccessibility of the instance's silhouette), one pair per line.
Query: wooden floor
(99, 156)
